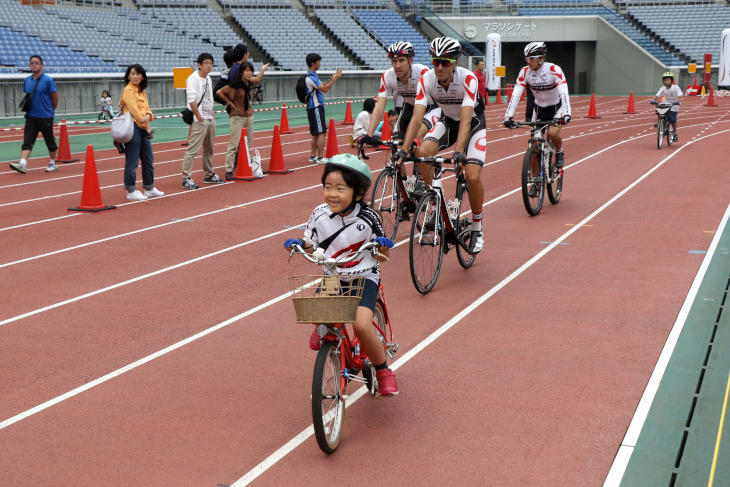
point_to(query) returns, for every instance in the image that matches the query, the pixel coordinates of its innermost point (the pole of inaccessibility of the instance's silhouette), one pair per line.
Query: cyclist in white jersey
(402, 79)
(669, 93)
(550, 90)
(456, 91)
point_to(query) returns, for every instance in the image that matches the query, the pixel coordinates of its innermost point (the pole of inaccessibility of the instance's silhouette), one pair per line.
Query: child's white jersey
(390, 82)
(670, 95)
(548, 85)
(340, 235)
(462, 92)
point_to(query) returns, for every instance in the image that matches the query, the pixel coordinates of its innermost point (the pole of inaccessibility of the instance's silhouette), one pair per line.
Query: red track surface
(533, 385)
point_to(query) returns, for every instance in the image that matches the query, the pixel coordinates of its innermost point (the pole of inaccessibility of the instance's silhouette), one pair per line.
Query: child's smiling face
(337, 194)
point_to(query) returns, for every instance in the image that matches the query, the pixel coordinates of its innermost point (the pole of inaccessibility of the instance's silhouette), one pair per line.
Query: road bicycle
(330, 301)
(663, 126)
(538, 168)
(438, 226)
(394, 195)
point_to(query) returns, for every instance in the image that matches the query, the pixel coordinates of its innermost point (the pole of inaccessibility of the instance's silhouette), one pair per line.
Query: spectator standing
(315, 107)
(199, 91)
(239, 100)
(481, 78)
(134, 101)
(40, 116)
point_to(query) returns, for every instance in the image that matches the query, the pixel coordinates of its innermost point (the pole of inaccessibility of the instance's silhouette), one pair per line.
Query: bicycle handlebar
(554, 122)
(318, 257)
(664, 104)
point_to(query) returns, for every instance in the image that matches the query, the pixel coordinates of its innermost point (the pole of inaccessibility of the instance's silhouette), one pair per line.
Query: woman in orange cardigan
(134, 100)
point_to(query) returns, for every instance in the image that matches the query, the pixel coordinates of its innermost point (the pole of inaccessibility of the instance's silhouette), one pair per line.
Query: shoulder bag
(27, 102)
(187, 114)
(122, 128)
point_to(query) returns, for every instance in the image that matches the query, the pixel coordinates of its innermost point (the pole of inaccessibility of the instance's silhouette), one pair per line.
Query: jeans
(139, 148)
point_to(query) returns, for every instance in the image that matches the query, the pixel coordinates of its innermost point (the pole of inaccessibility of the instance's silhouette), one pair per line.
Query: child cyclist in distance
(669, 93)
(342, 223)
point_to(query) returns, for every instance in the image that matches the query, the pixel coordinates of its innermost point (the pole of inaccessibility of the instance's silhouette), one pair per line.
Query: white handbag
(122, 128)
(256, 165)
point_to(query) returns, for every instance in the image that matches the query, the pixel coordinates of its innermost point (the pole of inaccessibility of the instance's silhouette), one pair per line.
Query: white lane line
(304, 435)
(628, 444)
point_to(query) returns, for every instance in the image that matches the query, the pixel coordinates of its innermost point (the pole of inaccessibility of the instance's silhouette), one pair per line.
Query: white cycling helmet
(445, 47)
(535, 49)
(402, 48)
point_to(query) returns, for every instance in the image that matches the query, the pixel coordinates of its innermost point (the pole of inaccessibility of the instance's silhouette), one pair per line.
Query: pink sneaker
(387, 386)
(314, 340)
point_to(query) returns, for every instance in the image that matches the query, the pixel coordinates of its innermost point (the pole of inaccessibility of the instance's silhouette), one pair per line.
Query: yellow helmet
(668, 74)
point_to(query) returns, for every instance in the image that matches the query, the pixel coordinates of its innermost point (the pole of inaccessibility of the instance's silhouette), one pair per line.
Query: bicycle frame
(539, 138)
(450, 223)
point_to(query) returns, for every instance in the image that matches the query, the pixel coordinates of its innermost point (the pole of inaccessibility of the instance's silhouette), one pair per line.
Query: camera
(120, 147)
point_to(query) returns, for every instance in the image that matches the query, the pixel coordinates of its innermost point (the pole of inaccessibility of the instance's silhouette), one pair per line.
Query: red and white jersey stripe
(462, 92)
(389, 82)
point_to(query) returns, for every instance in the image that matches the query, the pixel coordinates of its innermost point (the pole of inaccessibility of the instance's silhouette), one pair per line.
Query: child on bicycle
(340, 225)
(106, 106)
(669, 93)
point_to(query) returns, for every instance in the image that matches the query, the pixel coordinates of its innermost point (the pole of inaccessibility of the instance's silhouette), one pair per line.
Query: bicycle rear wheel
(533, 189)
(426, 250)
(463, 226)
(554, 189)
(387, 201)
(328, 405)
(660, 133)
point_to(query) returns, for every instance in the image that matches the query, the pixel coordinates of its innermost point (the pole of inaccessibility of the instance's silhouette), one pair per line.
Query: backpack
(301, 88)
(222, 82)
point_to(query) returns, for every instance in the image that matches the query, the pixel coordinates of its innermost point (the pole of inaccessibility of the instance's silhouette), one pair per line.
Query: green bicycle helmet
(668, 74)
(354, 165)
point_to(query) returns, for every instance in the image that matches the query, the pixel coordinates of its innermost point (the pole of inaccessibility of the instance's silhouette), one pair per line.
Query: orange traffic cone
(90, 192)
(711, 99)
(332, 145)
(348, 115)
(276, 162)
(64, 150)
(592, 109)
(508, 91)
(385, 134)
(243, 166)
(284, 121)
(499, 96)
(631, 104)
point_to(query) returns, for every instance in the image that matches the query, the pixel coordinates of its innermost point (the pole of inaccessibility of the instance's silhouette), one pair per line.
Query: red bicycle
(330, 301)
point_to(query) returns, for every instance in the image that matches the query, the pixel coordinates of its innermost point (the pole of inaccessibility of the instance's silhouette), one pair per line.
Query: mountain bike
(438, 226)
(663, 126)
(394, 195)
(538, 168)
(330, 301)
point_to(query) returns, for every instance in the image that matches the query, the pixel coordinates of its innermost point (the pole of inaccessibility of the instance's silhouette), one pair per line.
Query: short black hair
(228, 58)
(204, 56)
(36, 56)
(239, 52)
(312, 58)
(244, 66)
(140, 70)
(369, 105)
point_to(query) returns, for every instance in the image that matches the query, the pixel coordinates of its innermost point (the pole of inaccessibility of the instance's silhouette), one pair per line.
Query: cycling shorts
(369, 292)
(446, 131)
(433, 114)
(545, 114)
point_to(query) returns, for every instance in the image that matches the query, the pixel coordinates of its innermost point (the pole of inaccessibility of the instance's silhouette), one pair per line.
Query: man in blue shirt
(315, 107)
(40, 116)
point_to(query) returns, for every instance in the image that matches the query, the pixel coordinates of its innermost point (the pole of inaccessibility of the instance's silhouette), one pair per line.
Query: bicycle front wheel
(554, 189)
(533, 189)
(660, 134)
(463, 226)
(426, 244)
(668, 133)
(386, 200)
(328, 404)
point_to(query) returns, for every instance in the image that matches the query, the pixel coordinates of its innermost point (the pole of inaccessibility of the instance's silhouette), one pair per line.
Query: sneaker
(152, 193)
(387, 386)
(214, 179)
(674, 136)
(322, 160)
(189, 184)
(476, 242)
(135, 195)
(51, 167)
(229, 176)
(314, 340)
(16, 166)
(313, 159)
(559, 160)
(532, 192)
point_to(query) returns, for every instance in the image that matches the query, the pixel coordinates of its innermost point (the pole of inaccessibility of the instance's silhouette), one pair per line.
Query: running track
(155, 344)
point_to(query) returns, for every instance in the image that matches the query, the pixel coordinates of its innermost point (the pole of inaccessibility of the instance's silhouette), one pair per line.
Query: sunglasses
(443, 62)
(532, 57)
